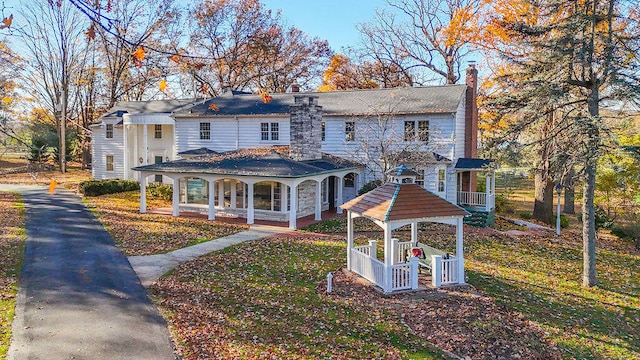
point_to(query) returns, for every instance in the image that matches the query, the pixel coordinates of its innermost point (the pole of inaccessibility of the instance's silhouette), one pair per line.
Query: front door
(158, 160)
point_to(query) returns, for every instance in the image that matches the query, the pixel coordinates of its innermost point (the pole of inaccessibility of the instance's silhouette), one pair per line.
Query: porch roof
(473, 164)
(391, 202)
(261, 162)
(198, 152)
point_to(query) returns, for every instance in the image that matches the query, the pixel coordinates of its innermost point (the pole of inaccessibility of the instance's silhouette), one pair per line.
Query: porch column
(340, 196)
(250, 210)
(293, 212)
(349, 238)
(145, 145)
(232, 189)
(283, 198)
(493, 182)
(460, 250)
(318, 201)
(221, 193)
(211, 211)
(143, 195)
(414, 233)
(176, 196)
(388, 260)
(125, 153)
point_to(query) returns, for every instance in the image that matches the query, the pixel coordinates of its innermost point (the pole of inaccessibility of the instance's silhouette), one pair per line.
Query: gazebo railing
(445, 271)
(404, 276)
(366, 266)
(402, 249)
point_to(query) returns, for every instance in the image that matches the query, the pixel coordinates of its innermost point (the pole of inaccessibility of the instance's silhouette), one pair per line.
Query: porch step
(480, 218)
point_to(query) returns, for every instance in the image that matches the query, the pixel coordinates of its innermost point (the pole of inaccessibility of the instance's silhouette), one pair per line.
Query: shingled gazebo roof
(393, 202)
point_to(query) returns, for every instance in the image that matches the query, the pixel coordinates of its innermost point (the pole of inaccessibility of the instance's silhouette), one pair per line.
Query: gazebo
(399, 203)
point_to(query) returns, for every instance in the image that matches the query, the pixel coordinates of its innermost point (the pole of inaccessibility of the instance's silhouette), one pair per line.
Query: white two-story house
(248, 155)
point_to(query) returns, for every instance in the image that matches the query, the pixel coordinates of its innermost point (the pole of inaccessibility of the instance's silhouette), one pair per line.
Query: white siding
(459, 131)
(101, 147)
(228, 133)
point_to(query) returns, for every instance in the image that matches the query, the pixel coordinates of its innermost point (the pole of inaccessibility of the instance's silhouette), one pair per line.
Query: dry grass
(12, 238)
(30, 176)
(147, 234)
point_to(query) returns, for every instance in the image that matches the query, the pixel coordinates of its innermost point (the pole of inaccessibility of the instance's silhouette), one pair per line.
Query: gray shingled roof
(152, 106)
(408, 100)
(263, 162)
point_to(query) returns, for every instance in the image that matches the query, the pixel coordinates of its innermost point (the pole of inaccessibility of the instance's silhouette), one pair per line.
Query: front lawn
(265, 300)
(148, 234)
(12, 238)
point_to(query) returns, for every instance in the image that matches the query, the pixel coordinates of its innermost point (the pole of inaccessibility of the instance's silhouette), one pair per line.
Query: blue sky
(332, 20)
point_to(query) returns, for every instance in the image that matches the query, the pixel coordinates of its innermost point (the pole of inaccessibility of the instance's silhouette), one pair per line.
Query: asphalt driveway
(79, 298)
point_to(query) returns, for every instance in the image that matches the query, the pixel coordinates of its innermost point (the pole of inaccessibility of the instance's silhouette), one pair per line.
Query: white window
(416, 130)
(350, 130)
(109, 132)
(269, 131)
(441, 180)
(158, 131)
(205, 131)
(109, 162)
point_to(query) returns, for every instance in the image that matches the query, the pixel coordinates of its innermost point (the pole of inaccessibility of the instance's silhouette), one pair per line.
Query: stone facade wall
(306, 198)
(305, 129)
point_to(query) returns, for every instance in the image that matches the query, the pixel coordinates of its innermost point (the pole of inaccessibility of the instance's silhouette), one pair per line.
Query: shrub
(602, 219)
(502, 204)
(628, 232)
(564, 221)
(111, 186)
(162, 191)
(369, 186)
(526, 215)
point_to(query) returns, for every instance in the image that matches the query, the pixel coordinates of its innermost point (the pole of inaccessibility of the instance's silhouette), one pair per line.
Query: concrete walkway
(528, 224)
(79, 298)
(150, 268)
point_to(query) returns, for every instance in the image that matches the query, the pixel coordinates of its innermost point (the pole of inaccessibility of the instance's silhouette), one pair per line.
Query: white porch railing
(444, 271)
(366, 266)
(404, 276)
(469, 198)
(401, 251)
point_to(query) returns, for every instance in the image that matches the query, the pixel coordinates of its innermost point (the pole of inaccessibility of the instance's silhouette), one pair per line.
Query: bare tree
(418, 35)
(50, 35)
(383, 139)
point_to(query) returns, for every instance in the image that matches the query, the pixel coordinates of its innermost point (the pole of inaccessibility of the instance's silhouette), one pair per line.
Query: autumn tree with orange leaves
(238, 44)
(343, 74)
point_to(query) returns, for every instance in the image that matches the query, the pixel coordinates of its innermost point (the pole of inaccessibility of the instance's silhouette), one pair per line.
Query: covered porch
(399, 203)
(476, 190)
(254, 186)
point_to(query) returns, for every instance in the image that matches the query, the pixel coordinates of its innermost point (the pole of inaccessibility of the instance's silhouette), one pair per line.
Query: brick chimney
(305, 129)
(295, 88)
(471, 113)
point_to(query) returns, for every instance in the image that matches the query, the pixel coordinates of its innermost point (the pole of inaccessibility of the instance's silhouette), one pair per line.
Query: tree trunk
(543, 205)
(569, 191)
(589, 226)
(588, 206)
(569, 200)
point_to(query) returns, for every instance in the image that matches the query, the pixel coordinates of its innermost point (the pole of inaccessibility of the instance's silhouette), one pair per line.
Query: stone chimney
(305, 129)
(295, 88)
(471, 113)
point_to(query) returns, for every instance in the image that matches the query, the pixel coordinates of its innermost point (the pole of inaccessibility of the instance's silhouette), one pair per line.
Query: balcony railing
(476, 199)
